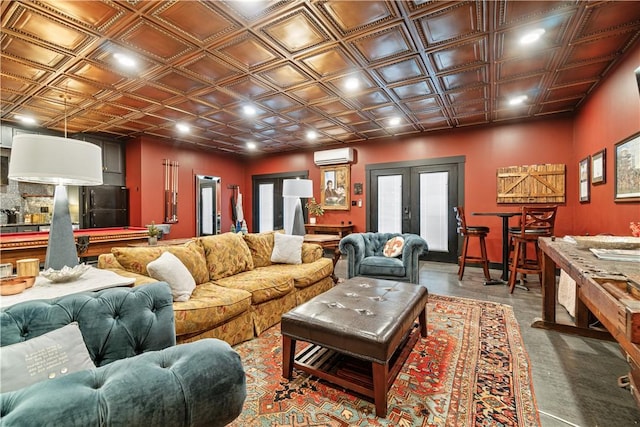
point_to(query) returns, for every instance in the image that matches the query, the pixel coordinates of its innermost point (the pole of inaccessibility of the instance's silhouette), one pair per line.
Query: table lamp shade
(48, 159)
(297, 188)
(45, 159)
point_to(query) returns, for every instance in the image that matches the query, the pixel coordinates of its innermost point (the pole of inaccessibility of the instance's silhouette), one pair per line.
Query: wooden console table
(609, 289)
(339, 229)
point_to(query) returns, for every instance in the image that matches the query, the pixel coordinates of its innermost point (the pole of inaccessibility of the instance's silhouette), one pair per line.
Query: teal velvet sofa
(365, 256)
(141, 377)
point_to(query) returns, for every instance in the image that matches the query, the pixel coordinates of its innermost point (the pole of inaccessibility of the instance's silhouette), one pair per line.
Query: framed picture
(627, 170)
(335, 184)
(584, 179)
(598, 169)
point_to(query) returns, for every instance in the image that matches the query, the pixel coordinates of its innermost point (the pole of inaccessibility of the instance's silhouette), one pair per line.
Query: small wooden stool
(467, 232)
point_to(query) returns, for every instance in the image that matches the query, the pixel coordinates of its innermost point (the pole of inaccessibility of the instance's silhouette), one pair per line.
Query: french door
(268, 205)
(418, 197)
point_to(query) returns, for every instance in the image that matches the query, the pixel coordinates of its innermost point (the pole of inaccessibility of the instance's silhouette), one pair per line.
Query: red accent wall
(145, 180)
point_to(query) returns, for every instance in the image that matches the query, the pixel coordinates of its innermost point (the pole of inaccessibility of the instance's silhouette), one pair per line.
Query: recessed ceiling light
(251, 145)
(26, 119)
(394, 121)
(312, 135)
(249, 110)
(183, 128)
(352, 83)
(125, 60)
(517, 100)
(532, 36)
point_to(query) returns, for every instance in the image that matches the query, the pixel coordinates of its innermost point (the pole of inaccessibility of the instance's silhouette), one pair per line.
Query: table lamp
(294, 189)
(44, 159)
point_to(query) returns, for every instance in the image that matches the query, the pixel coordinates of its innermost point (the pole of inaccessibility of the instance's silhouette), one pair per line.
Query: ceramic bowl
(29, 280)
(12, 285)
(66, 274)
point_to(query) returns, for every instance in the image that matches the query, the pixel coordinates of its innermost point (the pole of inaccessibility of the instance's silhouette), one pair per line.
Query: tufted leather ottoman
(361, 333)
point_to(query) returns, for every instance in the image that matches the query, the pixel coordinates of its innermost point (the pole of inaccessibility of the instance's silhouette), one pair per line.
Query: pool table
(15, 246)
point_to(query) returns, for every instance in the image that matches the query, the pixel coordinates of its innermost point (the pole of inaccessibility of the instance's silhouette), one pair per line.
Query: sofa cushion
(382, 266)
(210, 305)
(261, 246)
(305, 274)
(226, 254)
(48, 356)
(287, 249)
(135, 259)
(311, 252)
(168, 268)
(264, 284)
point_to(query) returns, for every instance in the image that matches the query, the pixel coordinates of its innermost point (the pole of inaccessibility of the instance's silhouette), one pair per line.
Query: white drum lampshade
(45, 159)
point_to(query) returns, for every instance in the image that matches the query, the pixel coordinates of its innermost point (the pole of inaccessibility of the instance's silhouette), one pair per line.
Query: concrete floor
(574, 378)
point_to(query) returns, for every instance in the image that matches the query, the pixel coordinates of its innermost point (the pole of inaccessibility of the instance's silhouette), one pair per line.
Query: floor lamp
(44, 159)
(294, 189)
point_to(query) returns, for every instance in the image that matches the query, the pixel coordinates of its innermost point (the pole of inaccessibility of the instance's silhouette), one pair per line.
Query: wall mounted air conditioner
(333, 157)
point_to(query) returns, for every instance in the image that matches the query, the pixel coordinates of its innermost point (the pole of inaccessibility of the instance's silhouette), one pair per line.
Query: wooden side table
(339, 229)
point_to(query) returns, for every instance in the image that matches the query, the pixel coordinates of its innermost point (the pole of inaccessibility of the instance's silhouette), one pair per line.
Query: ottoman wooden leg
(288, 355)
(422, 317)
(380, 377)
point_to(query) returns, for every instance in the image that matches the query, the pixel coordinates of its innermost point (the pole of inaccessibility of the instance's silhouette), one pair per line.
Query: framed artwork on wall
(584, 180)
(334, 187)
(598, 167)
(627, 170)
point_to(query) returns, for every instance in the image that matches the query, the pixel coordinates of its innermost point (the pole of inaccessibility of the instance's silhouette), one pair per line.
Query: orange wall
(611, 114)
(145, 180)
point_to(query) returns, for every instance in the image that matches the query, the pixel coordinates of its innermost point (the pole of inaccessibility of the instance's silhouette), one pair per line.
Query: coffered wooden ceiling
(434, 64)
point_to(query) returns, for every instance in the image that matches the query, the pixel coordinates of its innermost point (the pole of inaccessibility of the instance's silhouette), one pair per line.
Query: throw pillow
(168, 268)
(51, 355)
(261, 246)
(393, 247)
(287, 249)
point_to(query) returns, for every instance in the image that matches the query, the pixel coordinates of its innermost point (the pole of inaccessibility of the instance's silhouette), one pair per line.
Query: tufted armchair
(141, 378)
(365, 256)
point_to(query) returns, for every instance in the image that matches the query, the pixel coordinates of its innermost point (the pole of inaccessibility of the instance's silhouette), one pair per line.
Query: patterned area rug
(471, 370)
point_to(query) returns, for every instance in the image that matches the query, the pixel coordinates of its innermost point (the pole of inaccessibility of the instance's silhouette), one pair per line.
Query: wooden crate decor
(531, 184)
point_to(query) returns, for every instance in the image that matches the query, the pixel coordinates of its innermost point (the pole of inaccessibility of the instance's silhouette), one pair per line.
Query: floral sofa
(239, 292)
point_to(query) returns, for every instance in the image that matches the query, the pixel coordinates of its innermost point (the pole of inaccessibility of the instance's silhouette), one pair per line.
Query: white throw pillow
(168, 268)
(393, 247)
(51, 355)
(287, 249)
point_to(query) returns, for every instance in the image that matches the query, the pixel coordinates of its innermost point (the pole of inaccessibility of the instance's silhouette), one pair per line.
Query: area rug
(471, 370)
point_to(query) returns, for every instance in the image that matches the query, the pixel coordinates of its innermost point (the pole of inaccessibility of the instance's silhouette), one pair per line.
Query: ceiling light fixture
(249, 110)
(25, 119)
(532, 36)
(352, 83)
(394, 121)
(518, 100)
(183, 128)
(125, 60)
(312, 135)
(252, 145)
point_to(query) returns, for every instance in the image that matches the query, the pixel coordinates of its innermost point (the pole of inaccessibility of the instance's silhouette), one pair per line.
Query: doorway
(418, 197)
(268, 205)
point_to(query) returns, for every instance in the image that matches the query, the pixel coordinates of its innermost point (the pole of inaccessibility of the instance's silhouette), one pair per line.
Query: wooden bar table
(505, 244)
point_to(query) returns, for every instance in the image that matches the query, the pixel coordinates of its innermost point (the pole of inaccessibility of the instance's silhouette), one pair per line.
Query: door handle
(407, 212)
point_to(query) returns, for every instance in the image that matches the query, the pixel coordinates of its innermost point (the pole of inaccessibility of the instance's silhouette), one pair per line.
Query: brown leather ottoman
(362, 331)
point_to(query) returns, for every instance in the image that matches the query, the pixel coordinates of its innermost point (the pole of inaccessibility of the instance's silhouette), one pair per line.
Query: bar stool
(536, 222)
(467, 232)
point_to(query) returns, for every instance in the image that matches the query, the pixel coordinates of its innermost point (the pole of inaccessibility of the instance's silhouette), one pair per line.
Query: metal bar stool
(536, 222)
(467, 232)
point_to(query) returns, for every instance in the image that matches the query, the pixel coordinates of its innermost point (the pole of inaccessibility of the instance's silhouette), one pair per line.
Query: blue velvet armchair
(365, 256)
(141, 377)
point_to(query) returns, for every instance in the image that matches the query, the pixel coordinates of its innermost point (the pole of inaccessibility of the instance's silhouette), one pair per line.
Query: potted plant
(153, 233)
(314, 209)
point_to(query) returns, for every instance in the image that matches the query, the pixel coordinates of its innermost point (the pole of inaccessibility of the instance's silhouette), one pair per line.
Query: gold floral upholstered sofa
(239, 291)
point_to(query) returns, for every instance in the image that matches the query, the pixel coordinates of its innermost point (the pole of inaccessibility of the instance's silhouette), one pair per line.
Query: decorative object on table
(65, 274)
(45, 159)
(153, 233)
(292, 191)
(531, 184)
(598, 167)
(6, 269)
(334, 187)
(607, 242)
(315, 210)
(12, 285)
(583, 173)
(627, 170)
(617, 254)
(28, 267)
(170, 190)
(28, 280)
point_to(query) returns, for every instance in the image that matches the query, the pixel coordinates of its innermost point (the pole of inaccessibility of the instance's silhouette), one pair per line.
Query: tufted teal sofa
(365, 256)
(142, 378)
